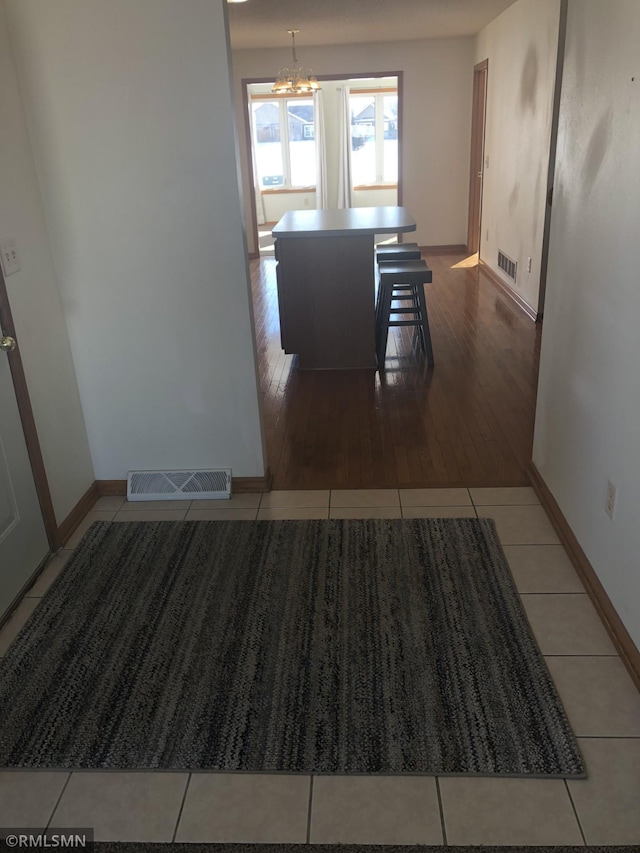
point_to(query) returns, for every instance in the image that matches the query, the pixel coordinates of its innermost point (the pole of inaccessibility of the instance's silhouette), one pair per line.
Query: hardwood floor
(468, 421)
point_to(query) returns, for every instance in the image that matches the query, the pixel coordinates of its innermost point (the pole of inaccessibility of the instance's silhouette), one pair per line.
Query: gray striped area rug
(378, 646)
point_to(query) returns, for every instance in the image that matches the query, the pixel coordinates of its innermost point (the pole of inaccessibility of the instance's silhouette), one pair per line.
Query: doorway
(480, 73)
(301, 151)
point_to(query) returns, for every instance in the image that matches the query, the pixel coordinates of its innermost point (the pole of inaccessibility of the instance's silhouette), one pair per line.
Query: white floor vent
(204, 484)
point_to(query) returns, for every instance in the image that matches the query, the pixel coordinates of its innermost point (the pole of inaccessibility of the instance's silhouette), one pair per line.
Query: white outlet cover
(9, 257)
(611, 499)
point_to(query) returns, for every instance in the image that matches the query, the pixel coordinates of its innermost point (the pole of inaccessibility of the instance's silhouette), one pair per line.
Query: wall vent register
(203, 484)
(509, 266)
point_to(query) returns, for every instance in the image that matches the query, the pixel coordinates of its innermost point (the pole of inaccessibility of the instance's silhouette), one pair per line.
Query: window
(374, 137)
(284, 137)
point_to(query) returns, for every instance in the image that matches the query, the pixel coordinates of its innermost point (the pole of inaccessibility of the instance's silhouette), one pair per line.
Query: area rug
(378, 646)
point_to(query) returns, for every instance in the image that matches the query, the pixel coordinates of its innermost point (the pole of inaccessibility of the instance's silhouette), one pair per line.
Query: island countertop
(351, 220)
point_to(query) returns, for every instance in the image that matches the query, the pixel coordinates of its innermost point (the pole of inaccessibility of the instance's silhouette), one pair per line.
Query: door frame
(28, 421)
(555, 120)
(476, 175)
(246, 82)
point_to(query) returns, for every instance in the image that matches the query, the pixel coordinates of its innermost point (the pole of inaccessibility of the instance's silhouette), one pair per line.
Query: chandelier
(297, 78)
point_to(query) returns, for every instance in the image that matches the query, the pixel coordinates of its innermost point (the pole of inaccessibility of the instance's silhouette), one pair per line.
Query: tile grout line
(608, 737)
(560, 655)
(181, 809)
(575, 811)
(441, 808)
(554, 593)
(57, 803)
(308, 841)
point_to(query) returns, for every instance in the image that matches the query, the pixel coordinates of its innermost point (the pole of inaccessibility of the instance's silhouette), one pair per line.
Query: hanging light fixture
(297, 78)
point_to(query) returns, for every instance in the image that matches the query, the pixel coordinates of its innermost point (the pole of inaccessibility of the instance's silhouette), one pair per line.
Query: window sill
(288, 190)
(376, 187)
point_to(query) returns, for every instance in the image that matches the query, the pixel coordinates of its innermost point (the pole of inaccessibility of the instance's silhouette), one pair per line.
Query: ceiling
(264, 23)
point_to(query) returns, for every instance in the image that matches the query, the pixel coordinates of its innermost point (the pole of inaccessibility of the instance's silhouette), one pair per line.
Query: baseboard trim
(76, 515)
(239, 486)
(242, 485)
(453, 249)
(606, 611)
(111, 488)
(495, 279)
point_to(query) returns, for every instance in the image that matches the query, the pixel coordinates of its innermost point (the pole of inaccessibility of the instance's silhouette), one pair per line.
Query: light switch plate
(9, 257)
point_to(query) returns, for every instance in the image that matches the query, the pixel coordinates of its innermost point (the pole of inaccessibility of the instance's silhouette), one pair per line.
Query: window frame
(285, 141)
(378, 100)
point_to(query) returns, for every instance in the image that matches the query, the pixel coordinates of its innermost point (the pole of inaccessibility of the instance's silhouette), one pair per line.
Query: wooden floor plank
(467, 421)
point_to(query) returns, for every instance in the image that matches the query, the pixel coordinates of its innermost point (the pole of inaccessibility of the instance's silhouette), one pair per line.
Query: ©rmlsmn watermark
(30, 838)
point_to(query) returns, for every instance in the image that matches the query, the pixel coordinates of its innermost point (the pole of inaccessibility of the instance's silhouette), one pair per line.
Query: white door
(23, 540)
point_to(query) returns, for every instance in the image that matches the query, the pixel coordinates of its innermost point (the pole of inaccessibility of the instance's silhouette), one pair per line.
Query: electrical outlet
(9, 256)
(306, 202)
(612, 496)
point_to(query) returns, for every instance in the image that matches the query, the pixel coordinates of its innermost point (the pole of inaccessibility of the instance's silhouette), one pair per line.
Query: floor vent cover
(505, 263)
(204, 484)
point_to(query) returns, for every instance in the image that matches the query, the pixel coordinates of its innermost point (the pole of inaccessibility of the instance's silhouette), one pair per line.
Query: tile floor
(601, 701)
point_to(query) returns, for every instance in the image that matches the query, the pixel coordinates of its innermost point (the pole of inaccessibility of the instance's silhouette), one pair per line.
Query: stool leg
(425, 324)
(386, 294)
(418, 334)
(378, 308)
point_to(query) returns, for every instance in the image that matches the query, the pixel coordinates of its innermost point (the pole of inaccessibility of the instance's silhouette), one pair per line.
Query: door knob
(7, 344)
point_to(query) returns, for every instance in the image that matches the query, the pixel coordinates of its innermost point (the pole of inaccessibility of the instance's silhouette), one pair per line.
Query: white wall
(133, 124)
(35, 304)
(438, 76)
(588, 414)
(521, 45)
(275, 205)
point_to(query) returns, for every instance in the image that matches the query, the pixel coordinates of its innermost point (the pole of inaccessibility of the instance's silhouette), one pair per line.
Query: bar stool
(402, 281)
(397, 252)
(394, 252)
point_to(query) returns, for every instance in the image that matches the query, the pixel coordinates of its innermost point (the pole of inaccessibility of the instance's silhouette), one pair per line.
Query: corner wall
(521, 45)
(438, 81)
(35, 303)
(133, 125)
(588, 412)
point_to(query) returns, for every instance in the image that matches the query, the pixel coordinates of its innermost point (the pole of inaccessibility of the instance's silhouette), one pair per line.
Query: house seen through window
(284, 139)
(374, 138)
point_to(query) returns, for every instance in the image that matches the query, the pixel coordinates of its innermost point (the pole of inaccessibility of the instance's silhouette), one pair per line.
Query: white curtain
(260, 214)
(344, 149)
(322, 202)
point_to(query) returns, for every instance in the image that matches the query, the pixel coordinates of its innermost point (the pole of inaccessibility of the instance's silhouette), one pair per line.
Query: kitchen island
(326, 283)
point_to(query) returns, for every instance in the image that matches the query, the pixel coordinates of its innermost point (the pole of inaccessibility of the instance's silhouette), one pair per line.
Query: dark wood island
(326, 283)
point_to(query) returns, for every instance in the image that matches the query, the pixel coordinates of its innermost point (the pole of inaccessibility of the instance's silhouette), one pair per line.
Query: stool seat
(402, 282)
(411, 271)
(397, 251)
